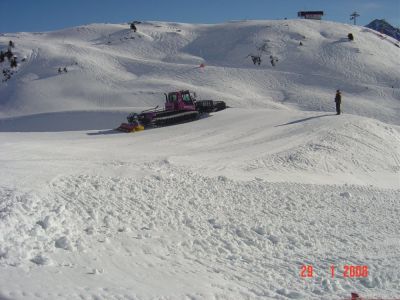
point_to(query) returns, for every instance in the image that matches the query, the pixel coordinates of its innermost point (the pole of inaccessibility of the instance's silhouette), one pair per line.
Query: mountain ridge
(385, 27)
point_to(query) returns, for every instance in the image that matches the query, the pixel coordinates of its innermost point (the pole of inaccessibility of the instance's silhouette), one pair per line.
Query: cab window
(172, 98)
(186, 98)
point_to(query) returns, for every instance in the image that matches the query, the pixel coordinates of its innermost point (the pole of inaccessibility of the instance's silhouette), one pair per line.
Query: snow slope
(111, 66)
(228, 207)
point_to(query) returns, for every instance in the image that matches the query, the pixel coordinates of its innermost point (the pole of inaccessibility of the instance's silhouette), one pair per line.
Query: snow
(228, 207)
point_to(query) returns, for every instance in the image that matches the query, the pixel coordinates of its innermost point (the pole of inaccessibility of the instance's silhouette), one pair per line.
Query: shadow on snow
(306, 119)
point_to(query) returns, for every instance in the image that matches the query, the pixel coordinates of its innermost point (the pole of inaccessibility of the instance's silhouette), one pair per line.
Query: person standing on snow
(338, 101)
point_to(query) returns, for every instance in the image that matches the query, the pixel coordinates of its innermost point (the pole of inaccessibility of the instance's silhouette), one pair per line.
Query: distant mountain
(384, 27)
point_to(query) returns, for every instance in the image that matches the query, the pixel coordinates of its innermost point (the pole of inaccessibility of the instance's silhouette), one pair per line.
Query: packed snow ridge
(231, 206)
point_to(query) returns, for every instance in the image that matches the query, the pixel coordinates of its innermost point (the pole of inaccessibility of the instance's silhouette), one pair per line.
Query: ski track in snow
(360, 138)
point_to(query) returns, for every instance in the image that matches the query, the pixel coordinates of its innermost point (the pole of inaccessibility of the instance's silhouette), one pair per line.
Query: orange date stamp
(348, 271)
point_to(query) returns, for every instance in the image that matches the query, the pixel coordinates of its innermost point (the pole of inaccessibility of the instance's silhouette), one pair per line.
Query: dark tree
(273, 60)
(350, 37)
(9, 54)
(2, 56)
(13, 62)
(11, 44)
(256, 59)
(133, 27)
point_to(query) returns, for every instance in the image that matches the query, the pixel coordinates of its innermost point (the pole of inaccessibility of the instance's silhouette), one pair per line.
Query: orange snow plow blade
(126, 127)
(139, 128)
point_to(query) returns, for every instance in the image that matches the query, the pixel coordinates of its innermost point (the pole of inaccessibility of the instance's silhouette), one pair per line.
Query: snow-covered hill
(111, 66)
(228, 207)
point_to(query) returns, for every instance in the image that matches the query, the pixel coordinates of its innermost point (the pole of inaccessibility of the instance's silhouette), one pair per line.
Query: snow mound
(362, 145)
(218, 223)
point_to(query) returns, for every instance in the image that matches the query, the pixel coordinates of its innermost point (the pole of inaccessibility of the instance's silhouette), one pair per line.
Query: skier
(338, 101)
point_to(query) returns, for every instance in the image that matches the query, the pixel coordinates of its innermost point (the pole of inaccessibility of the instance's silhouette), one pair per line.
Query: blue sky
(46, 15)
